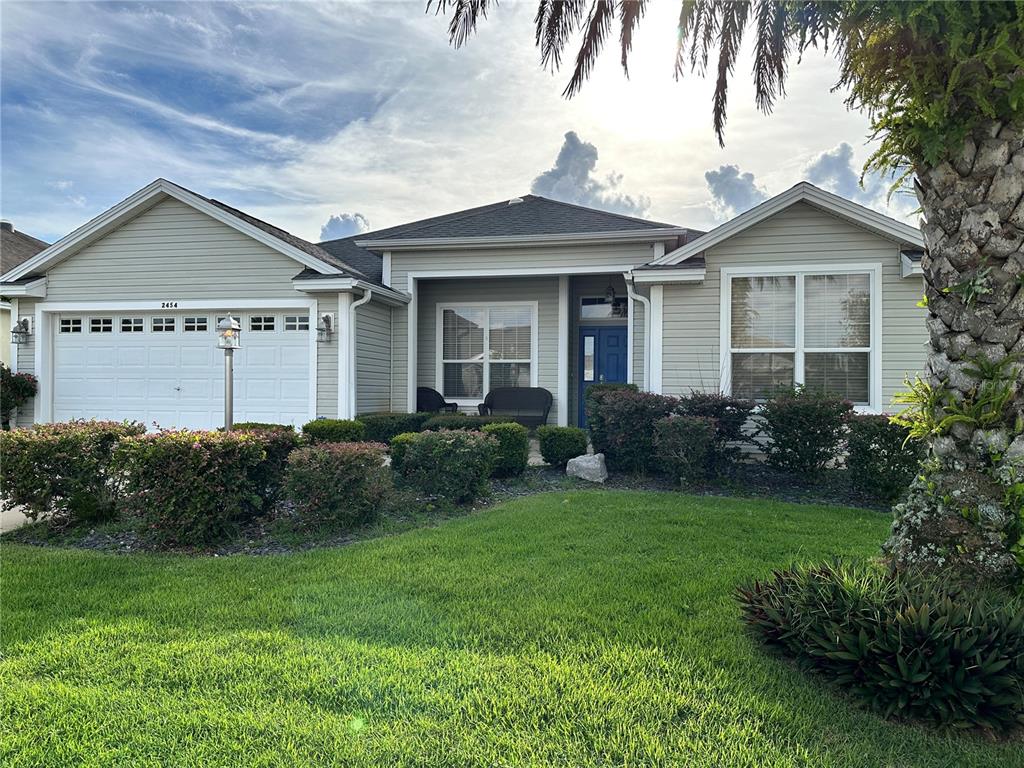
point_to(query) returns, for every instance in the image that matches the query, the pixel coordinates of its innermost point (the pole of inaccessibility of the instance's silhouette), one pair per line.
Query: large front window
(484, 348)
(810, 329)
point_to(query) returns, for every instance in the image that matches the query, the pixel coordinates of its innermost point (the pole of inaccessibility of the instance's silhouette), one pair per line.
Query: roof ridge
(607, 213)
(427, 222)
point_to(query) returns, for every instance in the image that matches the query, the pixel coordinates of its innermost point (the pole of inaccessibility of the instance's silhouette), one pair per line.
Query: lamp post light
(229, 339)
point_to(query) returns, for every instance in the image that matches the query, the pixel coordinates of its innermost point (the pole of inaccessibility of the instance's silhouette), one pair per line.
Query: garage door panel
(177, 379)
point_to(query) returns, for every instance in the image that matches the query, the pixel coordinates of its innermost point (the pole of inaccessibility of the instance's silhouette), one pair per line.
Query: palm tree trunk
(964, 513)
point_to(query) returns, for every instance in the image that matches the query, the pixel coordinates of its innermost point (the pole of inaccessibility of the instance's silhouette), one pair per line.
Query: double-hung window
(484, 348)
(807, 327)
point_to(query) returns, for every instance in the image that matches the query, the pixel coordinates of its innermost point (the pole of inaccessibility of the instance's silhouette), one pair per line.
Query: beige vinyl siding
(543, 290)
(26, 359)
(173, 252)
(802, 236)
(373, 357)
(326, 361)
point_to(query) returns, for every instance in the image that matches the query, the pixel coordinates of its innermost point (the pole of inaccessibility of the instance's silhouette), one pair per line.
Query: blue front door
(603, 359)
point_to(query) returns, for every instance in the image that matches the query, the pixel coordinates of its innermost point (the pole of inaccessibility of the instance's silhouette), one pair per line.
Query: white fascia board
(347, 285)
(909, 268)
(657, 276)
(141, 201)
(35, 289)
(802, 193)
(510, 241)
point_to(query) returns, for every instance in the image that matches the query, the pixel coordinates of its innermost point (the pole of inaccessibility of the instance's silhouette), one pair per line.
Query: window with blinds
(810, 329)
(484, 348)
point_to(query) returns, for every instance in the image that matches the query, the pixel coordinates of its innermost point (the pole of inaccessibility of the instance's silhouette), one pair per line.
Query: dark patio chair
(431, 401)
(528, 406)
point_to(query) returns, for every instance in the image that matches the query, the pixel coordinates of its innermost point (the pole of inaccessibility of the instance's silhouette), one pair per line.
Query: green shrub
(730, 415)
(278, 441)
(462, 421)
(622, 425)
(334, 431)
(452, 464)
(683, 444)
(559, 444)
(62, 470)
(187, 487)
(512, 448)
(593, 398)
(16, 389)
(902, 646)
(880, 460)
(805, 429)
(340, 484)
(381, 427)
(399, 445)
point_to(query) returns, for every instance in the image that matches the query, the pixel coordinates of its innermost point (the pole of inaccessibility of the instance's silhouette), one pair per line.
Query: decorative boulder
(589, 468)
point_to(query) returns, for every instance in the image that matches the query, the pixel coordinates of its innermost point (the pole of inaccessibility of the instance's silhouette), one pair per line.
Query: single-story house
(807, 287)
(15, 248)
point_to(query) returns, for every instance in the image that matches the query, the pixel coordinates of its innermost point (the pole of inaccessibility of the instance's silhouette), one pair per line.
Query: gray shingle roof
(16, 248)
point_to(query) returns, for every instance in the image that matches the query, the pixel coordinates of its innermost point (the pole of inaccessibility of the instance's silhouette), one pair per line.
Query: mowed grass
(569, 629)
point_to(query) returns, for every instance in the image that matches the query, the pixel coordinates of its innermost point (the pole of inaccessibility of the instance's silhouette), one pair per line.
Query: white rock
(589, 468)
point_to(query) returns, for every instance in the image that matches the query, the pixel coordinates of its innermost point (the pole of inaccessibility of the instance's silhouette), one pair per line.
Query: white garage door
(165, 369)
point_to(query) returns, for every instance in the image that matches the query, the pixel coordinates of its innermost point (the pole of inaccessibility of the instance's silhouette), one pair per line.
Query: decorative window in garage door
(101, 325)
(71, 325)
(132, 325)
(193, 324)
(296, 322)
(163, 325)
(261, 323)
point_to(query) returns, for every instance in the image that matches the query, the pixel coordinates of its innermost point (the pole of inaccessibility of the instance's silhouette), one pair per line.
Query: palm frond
(596, 29)
(733, 24)
(630, 13)
(465, 15)
(771, 53)
(556, 21)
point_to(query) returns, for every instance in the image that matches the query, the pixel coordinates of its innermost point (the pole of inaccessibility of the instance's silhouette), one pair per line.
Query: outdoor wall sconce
(325, 328)
(21, 332)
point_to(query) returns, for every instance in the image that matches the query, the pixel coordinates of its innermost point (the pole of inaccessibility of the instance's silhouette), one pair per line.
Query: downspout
(631, 291)
(367, 295)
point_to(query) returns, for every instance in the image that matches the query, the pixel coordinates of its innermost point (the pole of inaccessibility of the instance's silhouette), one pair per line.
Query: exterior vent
(515, 201)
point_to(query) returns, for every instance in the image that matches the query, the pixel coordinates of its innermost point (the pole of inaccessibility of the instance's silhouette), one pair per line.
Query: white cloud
(732, 191)
(344, 225)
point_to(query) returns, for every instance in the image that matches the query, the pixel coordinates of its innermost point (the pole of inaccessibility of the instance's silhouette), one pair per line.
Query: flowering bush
(189, 487)
(338, 483)
(453, 464)
(62, 469)
(16, 389)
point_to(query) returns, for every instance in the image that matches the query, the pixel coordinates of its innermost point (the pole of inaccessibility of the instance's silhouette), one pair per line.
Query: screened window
(131, 325)
(808, 329)
(194, 324)
(296, 322)
(163, 324)
(261, 323)
(484, 348)
(101, 325)
(71, 325)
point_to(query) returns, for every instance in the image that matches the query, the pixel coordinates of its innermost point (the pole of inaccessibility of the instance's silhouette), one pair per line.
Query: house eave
(35, 289)
(664, 276)
(511, 241)
(350, 285)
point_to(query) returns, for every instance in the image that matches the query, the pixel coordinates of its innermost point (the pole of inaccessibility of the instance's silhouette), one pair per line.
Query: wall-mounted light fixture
(325, 327)
(22, 331)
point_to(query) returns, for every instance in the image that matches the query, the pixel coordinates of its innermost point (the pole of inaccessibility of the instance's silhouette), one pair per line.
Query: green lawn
(569, 629)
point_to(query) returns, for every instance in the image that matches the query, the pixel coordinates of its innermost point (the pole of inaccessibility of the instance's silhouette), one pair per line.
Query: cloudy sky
(329, 119)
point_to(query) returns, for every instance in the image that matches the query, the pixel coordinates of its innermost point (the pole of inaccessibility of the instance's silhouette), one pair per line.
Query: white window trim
(533, 306)
(873, 269)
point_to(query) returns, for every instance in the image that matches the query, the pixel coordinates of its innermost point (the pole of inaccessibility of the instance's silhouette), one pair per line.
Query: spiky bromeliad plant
(943, 85)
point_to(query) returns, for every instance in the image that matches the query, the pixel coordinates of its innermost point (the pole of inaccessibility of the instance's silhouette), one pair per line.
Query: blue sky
(337, 117)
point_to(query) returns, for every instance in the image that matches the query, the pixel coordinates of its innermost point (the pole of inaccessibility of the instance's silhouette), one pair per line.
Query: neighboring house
(806, 287)
(15, 248)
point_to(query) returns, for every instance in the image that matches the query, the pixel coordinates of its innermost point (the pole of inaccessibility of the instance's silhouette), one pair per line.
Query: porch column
(657, 343)
(562, 396)
(412, 322)
(344, 333)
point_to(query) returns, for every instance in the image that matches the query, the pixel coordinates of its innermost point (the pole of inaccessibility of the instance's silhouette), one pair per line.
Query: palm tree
(943, 85)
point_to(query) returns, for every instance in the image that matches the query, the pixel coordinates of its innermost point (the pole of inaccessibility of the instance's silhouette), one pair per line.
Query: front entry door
(602, 360)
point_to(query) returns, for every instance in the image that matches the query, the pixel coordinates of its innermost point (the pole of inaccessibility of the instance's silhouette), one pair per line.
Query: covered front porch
(558, 332)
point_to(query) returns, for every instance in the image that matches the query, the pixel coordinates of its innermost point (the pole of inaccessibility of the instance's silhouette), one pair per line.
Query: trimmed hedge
(334, 431)
(559, 444)
(452, 464)
(461, 421)
(381, 427)
(187, 487)
(901, 646)
(881, 462)
(805, 429)
(278, 441)
(341, 484)
(622, 423)
(512, 449)
(399, 445)
(730, 415)
(62, 469)
(683, 444)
